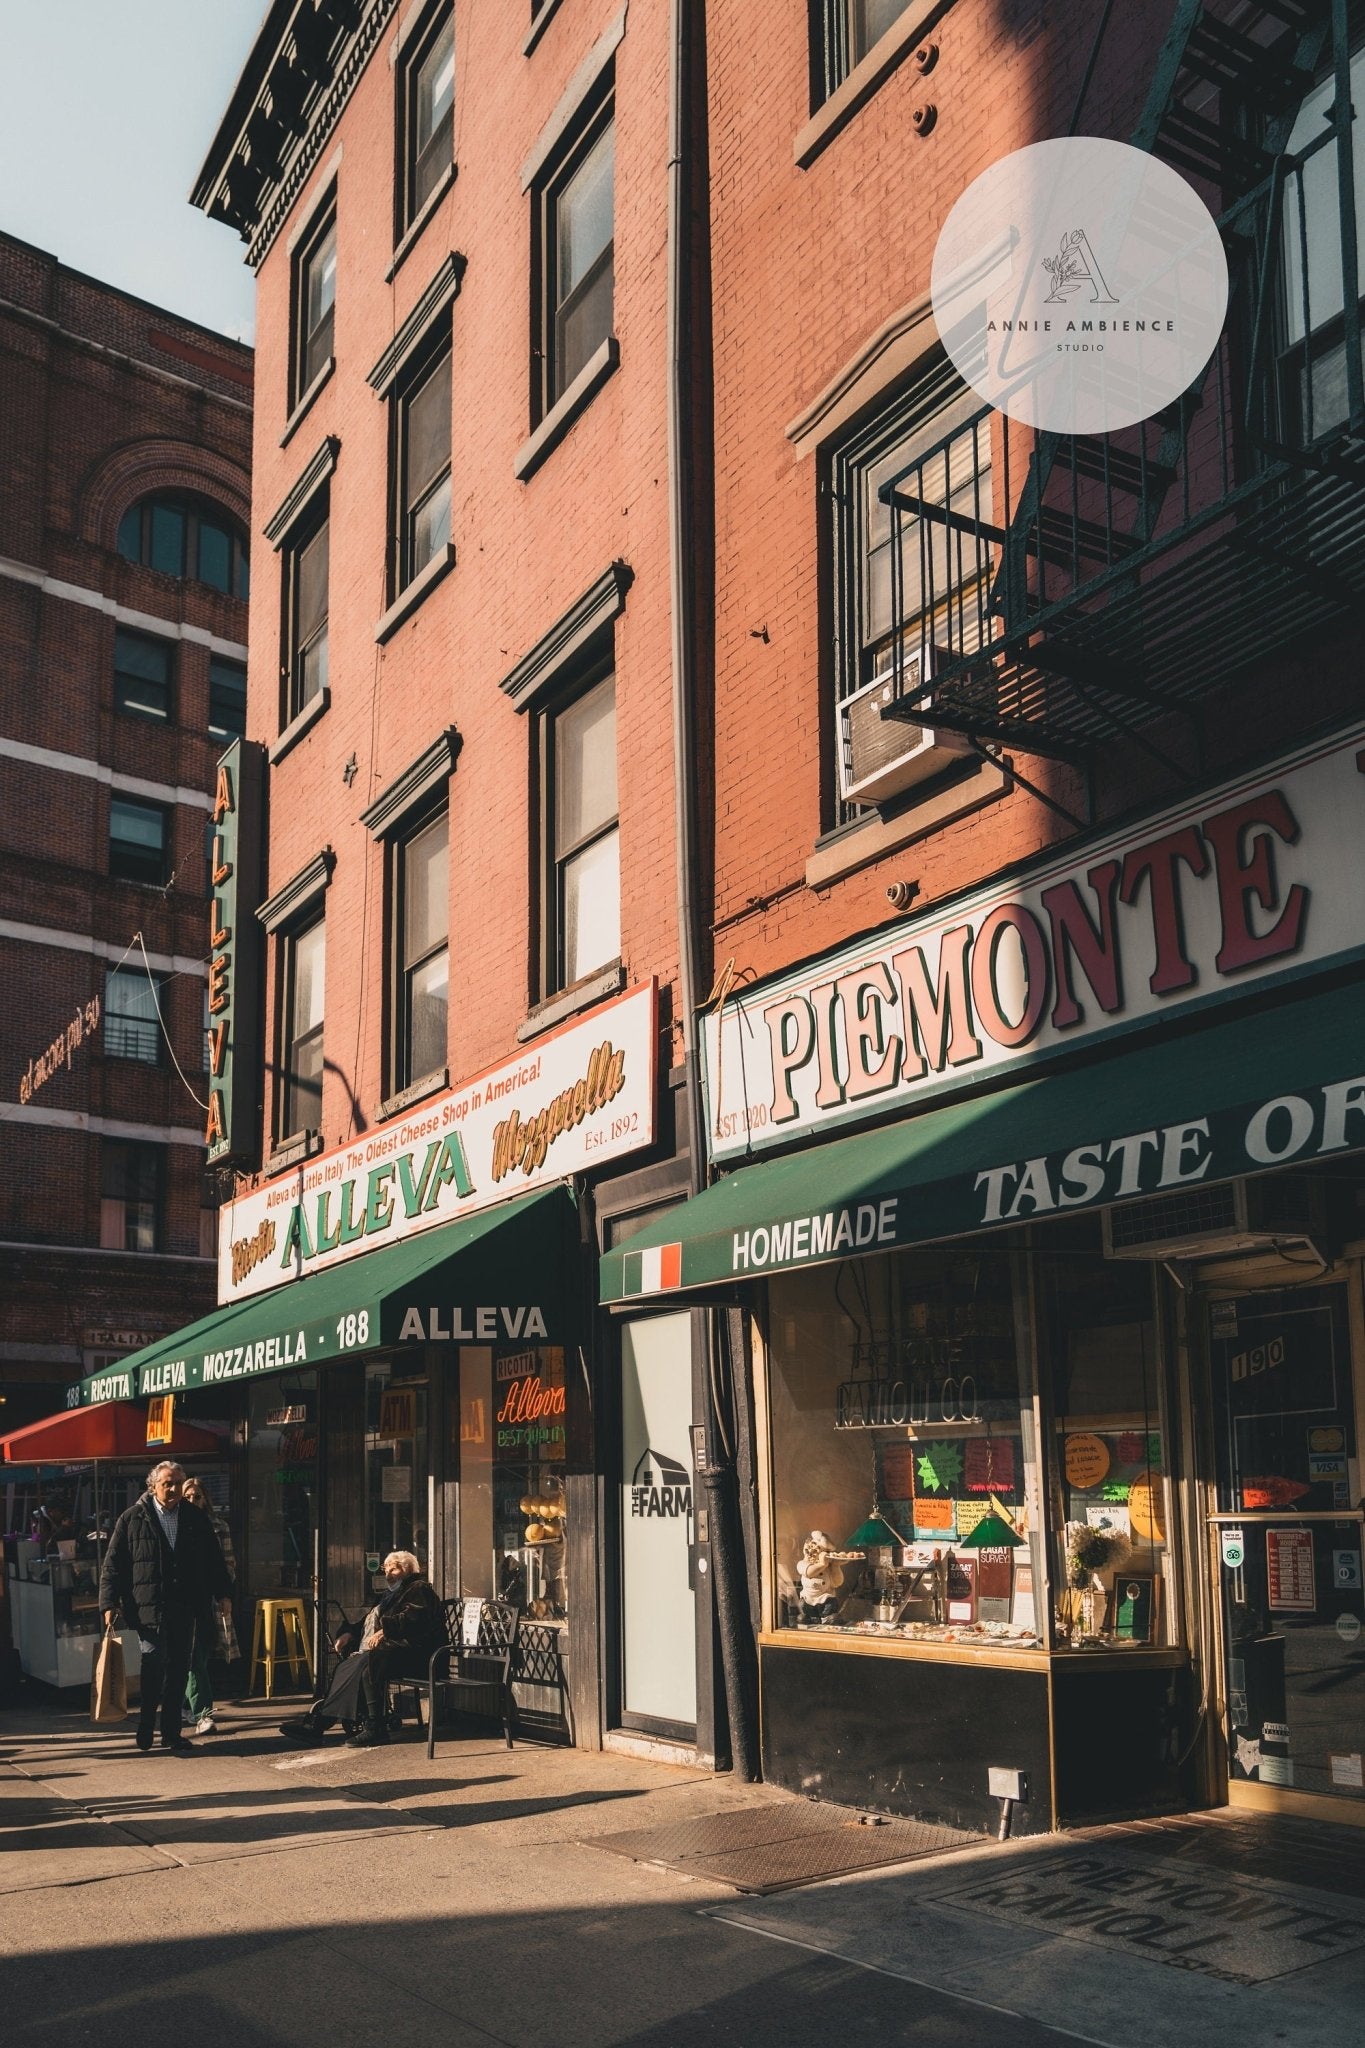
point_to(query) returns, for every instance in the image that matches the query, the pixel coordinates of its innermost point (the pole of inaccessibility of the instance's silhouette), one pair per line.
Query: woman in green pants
(198, 1710)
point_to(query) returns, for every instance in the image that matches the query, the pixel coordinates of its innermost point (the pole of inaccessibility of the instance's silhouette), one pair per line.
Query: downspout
(722, 1549)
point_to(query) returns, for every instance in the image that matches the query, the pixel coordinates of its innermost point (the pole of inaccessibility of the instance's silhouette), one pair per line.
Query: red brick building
(463, 671)
(1020, 1009)
(126, 433)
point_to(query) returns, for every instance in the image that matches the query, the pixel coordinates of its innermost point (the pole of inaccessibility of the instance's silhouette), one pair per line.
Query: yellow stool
(289, 1613)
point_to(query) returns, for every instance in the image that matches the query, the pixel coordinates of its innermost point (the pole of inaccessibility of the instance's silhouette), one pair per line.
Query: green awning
(1277, 1087)
(503, 1276)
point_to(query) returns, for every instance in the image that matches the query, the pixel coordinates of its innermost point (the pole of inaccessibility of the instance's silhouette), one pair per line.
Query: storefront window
(904, 1480)
(513, 1450)
(395, 1465)
(282, 1484)
(1111, 1576)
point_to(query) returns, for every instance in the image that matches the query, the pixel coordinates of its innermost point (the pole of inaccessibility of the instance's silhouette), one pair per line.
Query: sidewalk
(267, 1895)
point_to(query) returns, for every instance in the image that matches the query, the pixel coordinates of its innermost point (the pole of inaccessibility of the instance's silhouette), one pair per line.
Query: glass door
(658, 1620)
(1286, 1541)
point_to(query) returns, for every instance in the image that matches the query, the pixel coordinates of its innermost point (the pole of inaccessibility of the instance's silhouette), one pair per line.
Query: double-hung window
(304, 994)
(426, 115)
(421, 930)
(1321, 268)
(422, 421)
(227, 698)
(306, 603)
(315, 296)
(132, 1025)
(581, 880)
(846, 31)
(143, 668)
(914, 584)
(139, 837)
(577, 255)
(132, 1180)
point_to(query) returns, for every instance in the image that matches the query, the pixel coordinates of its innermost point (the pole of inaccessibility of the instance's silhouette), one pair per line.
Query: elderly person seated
(395, 1640)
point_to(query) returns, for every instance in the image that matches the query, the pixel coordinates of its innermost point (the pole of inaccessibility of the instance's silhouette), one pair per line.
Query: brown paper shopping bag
(108, 1684)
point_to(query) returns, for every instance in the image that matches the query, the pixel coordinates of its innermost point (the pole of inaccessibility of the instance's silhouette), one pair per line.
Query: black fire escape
(1142, 570)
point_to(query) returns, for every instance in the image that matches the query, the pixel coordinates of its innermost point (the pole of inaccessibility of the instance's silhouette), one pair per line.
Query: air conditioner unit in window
(881, 757)
(1217, 1222)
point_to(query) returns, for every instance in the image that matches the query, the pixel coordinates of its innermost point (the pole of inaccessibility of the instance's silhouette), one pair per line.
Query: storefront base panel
(907, 1737)
(1118, 1734)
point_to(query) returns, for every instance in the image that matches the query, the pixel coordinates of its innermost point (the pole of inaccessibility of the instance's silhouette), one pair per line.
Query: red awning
(117, 1429)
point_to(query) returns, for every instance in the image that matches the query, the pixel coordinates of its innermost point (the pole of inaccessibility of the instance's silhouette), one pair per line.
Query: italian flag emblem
(652, 1272)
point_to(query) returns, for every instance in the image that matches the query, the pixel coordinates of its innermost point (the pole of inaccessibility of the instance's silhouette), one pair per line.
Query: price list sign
(1289, 1570)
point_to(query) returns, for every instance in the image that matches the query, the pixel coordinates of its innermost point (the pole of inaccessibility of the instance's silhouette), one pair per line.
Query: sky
(109, 110)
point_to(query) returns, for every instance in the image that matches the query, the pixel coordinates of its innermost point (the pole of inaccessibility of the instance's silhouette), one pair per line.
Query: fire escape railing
(1051, 592)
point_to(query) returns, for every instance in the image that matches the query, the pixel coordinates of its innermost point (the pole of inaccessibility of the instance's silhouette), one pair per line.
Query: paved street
(261, 1895)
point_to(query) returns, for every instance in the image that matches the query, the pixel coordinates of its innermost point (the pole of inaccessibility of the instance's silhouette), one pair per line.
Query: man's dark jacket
(143, 1576)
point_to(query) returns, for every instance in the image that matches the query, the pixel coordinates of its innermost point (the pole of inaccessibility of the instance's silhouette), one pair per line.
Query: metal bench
(472, 1669)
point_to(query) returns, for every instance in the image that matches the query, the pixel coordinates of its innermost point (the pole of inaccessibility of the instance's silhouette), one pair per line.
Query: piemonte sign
(1254, 882)
(576, 1099)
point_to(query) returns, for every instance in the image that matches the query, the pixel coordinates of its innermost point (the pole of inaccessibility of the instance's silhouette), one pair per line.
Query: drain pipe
(717, 1470)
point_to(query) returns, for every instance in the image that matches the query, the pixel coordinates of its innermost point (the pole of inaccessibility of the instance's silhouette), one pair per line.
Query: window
(422, 950)
(427, 116)
(305, 575)
(227, 698)
(186, 537)
(582, 883)
(132, 1028)
(932, 439)
(304, 991)
(577, 248)
(1314, 340)
(423, 470)
(137, 841)
(142, 675)
(315, 293)
(131, 1181)
(848, 29)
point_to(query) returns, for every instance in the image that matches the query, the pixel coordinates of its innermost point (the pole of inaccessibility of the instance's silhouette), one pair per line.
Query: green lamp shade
(873, 1533)
(991, 1533)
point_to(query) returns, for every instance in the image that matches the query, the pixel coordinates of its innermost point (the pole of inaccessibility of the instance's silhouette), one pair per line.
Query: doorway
(1286, 1545)
(656, 1529)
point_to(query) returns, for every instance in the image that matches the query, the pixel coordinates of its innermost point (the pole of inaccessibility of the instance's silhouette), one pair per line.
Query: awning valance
(117, 1430)
(1282, 1086)
(503, 1276)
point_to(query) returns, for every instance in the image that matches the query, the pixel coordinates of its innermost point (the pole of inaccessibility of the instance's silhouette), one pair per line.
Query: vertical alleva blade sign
(231, 1126)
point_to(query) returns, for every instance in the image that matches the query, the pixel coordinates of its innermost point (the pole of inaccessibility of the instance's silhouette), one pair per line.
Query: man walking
(164, 1568)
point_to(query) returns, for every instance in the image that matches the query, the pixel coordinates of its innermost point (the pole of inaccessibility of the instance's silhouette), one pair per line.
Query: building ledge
(302, 722)
(594, 988)
(857, 846)
(407, 600)
(292, 1152)
(566, 409)
(544, 15)
(885, 56)
(304, 406)
(416, 1091)
(412, 233)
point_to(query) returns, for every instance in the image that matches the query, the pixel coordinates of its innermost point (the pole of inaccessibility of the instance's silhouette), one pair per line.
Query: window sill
(292, 1152)
(544, 16)
(416, 1091)
(864, 80)
(858, 846)
(301, 723)
(594, 988)
(566, 409)
(407, 601)
(412, 233)
(304, 406)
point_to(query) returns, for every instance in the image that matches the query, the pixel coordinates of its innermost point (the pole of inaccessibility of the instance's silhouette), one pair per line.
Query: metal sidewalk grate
(773, 1848)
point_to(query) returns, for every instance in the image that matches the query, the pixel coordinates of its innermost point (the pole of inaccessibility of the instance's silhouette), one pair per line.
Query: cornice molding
(295, 504)
(259, 161)
(432, 767)
(439, 294)
(541, 666)
(873, 367)
(299, 893)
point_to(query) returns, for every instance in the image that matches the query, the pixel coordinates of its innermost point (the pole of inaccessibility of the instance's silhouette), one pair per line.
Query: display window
(282, 1484)
(1110, 1512)
(904, 1483)
(514, 1448)
(396, 1468)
